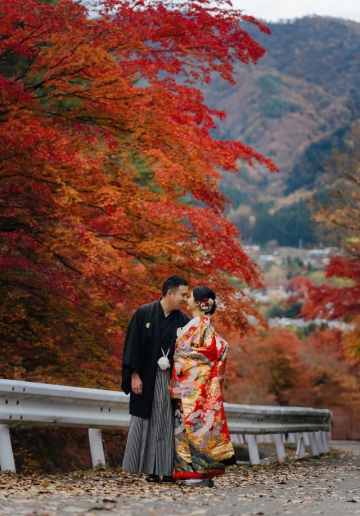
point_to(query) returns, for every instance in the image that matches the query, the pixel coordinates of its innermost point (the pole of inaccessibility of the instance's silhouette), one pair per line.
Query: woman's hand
(136, 383)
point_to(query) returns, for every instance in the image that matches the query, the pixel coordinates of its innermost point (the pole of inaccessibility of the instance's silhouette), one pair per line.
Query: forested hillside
(295, 106)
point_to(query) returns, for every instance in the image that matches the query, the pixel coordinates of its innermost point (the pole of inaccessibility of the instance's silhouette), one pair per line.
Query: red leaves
(95, 167)
(331, 302)
(204, 38)
(261, 26)
(347, 266)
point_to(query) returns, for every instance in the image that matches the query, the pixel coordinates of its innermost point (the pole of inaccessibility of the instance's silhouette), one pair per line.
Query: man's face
(178, 297)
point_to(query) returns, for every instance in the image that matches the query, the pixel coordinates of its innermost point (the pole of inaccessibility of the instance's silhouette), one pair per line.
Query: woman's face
(191, 303)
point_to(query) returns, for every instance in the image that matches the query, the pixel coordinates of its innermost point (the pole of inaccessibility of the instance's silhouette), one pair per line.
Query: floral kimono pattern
(202, 438)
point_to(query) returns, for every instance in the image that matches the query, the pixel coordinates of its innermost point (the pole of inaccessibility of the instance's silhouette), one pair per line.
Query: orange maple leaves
(85, 239)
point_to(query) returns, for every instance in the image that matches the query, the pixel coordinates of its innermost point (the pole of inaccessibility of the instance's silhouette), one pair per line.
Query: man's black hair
(173, 283)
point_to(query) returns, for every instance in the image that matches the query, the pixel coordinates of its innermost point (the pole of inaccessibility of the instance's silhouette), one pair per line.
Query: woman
(202, 440)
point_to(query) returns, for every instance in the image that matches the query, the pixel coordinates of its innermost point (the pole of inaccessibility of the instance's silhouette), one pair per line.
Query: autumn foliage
(108, 175)
(339, 297)
(276, 367)
(316, 366)
(263, 368)
(332, 302)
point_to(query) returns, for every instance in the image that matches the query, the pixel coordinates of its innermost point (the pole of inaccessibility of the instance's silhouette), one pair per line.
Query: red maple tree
(105, 137)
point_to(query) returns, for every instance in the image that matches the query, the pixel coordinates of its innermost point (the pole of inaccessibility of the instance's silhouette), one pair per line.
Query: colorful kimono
(202, 437)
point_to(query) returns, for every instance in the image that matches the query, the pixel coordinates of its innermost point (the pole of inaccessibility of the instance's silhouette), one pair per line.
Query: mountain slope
(294, 106)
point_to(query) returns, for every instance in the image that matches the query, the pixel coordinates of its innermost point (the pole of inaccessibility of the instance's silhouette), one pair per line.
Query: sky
(289, 9)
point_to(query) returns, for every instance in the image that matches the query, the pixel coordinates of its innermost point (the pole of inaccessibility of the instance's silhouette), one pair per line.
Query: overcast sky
(289, 9)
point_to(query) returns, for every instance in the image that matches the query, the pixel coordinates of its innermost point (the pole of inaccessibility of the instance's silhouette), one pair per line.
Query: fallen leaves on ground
(290, 486)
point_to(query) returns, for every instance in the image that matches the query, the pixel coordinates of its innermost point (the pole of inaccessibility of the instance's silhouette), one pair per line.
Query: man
(151, 335)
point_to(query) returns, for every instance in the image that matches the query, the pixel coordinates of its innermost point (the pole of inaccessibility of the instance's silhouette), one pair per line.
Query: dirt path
(328, 486)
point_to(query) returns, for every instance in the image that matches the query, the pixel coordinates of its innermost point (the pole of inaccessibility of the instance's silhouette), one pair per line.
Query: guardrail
(306, 426)
(28, 404)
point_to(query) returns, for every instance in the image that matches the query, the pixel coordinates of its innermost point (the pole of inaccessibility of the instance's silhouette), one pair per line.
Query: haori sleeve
(190, 364)
(206, 333)
(222, 349)
(132, 353)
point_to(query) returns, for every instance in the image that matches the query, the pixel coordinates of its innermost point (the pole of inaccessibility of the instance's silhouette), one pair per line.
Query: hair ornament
(206, 304)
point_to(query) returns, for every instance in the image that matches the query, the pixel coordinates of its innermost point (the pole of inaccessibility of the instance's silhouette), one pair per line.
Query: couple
(173, 368)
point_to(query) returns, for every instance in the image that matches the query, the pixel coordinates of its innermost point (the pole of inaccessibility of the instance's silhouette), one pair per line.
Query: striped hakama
(150, 444)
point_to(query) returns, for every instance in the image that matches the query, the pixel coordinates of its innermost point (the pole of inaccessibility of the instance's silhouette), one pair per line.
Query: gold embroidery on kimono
(202, 437)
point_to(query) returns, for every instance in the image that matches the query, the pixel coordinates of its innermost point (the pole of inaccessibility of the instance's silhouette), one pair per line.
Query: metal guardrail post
(279, 444)
(325, 441)
(253, 449)
(7, 462)
(306, 439)
(300, 448)
(320, 442)
(237, 439)
(313, 445)
(291, 439)
(96, 448)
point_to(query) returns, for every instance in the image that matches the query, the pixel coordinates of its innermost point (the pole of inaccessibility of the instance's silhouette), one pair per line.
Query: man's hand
(136, 383)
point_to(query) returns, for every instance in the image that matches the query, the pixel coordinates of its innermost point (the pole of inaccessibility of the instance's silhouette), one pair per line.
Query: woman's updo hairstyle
(207, 299)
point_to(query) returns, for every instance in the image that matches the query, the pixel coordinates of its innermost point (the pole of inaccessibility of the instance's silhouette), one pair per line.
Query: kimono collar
(193, 323)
